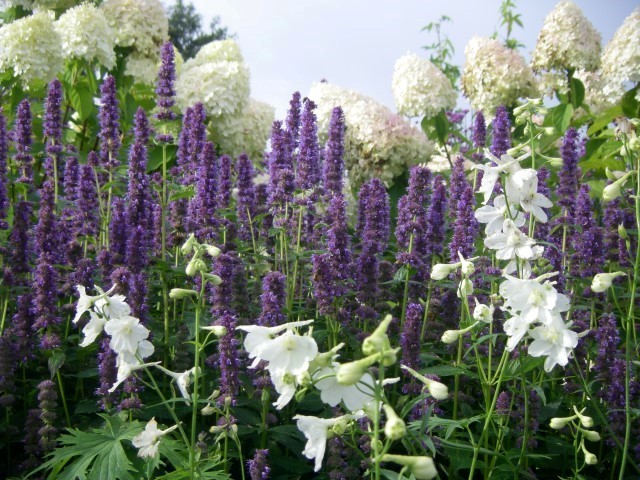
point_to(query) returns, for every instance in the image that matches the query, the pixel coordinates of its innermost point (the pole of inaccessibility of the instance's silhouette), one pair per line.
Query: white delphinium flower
(259, 336)
(494, 75)
(148, 440)
(182, 379)
(510, 243)
(31, 48)
(141, 24)
(247, 132)
(555, 341)
(355, 397)
(516, 328)
(86, 302)
(86, 35)
(621, 58)
(93, 328)
(111, 306)
(289, 352)
(525, 270)
(218, 77)
(567, 40)
(126, 369)
(126, 334)
(505, 164)
(494, 215)
(465, 288)
(420, 88)
(603, 281)
(535, 301)
(482, 312)
(317, 431)
(285, 384)
(522, 188)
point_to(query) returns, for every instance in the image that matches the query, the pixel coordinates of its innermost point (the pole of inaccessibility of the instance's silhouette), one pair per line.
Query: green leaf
(81, 98)
(55, 362)
(561, 115)
(182, 192)
(604, 119)
(442, 127)
(631, 106)
(577, 92)
(97, 454)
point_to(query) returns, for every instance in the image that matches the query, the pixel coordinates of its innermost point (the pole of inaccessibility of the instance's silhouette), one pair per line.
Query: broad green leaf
(631, 106)
(81, 98)
(577, 92)
(55, 362)
(561, 115)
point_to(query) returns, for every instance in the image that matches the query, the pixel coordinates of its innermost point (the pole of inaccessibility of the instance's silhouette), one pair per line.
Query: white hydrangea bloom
(247, 132)
(494, 75)
(142, 68)
(621, 57)
(221, 85)
(567, 40)
(31, 47)
(86, 34)
(378, 142)
(599, 94)
(420, 88)
(141, 24)
(44, 4)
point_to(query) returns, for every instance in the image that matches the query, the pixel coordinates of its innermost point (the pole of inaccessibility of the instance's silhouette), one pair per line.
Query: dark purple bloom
(118, 231)
(410, 343)
(569, 176)
(87, 198)
(47, 234)
(363, 198)
(48, 402)
(412, 209)
(107, 372)
(52, 126)
(325, 282)
(165, 87)
(139, 206)
(44, 305)
(17, 265)
(4, 149)
(293, 122)
(182, 156)
(308, 171)
(258, 467)
(479, 131)
(503, 404)
(223, 297)
(501, 135)
(436, 222)
(197, 139)
(228, 359)
(458, 183)
(281, 181)
(465, 227)
(333, 171)
(202, 218)
(137, 249)
(224, 183)
(22, 141)
(109, 117)
(338, 244)
(8, 366)
(21, 328)
(273, 300)
(376, 226)
(245, 202)
(71, 180)
(588, 242)
(338, 457)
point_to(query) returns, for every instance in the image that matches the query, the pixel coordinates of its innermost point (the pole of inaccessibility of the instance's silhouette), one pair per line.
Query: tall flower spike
(4, 149)
(228, 360)
(52, 126)
(202, 207)
(182, 156)
(45, 286)
(224, 183)
(18, 260)
(139, 209)
(501, 134)
(338, 244)
(47, 235)
(293, 121)
(569, 176)
(165, 90)
(334, 151)
(436, 222)
(22, 140)
(258, 467)
(376, 228)
(272, 300)
(308, 171)
(87, 199)
(109, 117)
(465, 227)
(47, 402)
(197, 139)
(280, 164)
(245, 202)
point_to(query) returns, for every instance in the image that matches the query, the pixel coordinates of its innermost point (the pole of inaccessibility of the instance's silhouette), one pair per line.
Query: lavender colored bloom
(202, 217)
(87, 198)
(338, 237)
(338, 456)
(465, 227)
(47, 398)
(224, 183)
(501, 135)
(71, 179)
(325, 282)
(376, 228)
(118, 231)
(17, 263)
(503, 404)
(281, 176)
(107, 372)
(4, 149)
(308, 171)
(412, 208)
(52, 126)
(258, 467)
(273, 300)
(458, 183)
(569, 176)
(139, 209)
(293, 122)
(182, 156)
(436, 222)
(109, 117)
(363, 199)
(410, 344)
(223, 297)
(22, 142)
(589, 243)
(21, 328)
(479, 131)
(197, 139)
(367, 273)
(333, 171)
(137, 249)
(32, 448)
(228, 359)
(245, 202)
(165, 90)
(44, 304)
(47, 235)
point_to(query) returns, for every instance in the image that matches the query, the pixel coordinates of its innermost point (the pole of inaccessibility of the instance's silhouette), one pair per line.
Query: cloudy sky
(289, 44)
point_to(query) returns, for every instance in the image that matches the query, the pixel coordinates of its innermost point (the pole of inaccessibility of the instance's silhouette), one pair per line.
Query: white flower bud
(483, 313)
(188, 245)
(611, 192)
(623, 232)
(602, 281)
(558, 423)
(442, 270)
(395, 427)
(590, 459)
(350, 373)
(466, 267)
(591, 435)
(194, 266)
(450, 336)
(218, 330)
(378, 340)
(437, 390)
(180, 293)
(465, 288)
(422, 468)
(585, 420)
(213, 252)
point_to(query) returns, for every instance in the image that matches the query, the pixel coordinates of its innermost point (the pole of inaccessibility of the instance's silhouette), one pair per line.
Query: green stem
(63, 398)
(196, 377)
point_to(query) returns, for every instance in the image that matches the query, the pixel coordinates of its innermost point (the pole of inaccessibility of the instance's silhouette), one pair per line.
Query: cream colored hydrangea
(247, 132)
(378, 143)
(31, 48)
(221, 85)
(219, 51)
(86, 35)
(45, 4)
(621, 57)
(420, 88)
(567, 40)
(143, 69)
(141, 24)
(598, 95)
(494, 75)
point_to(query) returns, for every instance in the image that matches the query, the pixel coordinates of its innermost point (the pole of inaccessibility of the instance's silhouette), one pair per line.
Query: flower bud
(611, 192)
(558, 423)
(194, 266)
(325, 359)
(591, 435)
(340, 426)
(395, 427)
(437, 390)
(304, 379)
(589, 458)
(602, 281)
(213, 252)
(350, 373)
(218, 330)
(465, 288)
(623, 232)
(585, 420)
(180, 293)
(214, 280)
(483, 313)
(466, 267)
(188, 245)
(450, 336)
(549, 131)
(378, 341)
(442, 270)
(422, 468)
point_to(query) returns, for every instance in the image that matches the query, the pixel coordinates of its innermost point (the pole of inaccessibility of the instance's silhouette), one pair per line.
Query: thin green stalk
(63, 398)
(196, 377)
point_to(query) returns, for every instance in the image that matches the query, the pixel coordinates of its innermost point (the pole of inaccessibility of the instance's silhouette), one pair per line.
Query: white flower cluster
(86, 34)
(378, 142)
(44, 4)
(621, 57)
(128, 336)
(30, 47)
(420, 88)
(599, 94)
(567, 41)
(143, 26)
(494, 75)
(218, 77)
(534, 305)
(246, 132)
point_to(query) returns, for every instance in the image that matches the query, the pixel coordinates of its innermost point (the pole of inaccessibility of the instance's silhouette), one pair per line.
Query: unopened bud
(212, 251)
(180, 293)
(442, 270)
(603, 281)
(591, 435)
(218, 330)
(395, 427)
(188, 245)
(585, 420)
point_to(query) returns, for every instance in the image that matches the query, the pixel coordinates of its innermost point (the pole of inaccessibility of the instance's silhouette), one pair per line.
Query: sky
(289, 44)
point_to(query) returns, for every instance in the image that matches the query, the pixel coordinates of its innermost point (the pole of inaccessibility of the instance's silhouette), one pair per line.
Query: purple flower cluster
(333, 170)
(501, 134)
(109, 117)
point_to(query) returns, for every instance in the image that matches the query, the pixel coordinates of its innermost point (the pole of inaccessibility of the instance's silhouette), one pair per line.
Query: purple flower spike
(47, 234)
(293, 122)
(376, 228)
(87, 198)
(139, 208)
(569, 176)
(334, 162)
(479, 131)
(246, 201)
(228, 360)
(436, 222)
(465, 227)
(325, 282)
(109, 117)
(258, 467)
(182, 156)
(52, 127)
(224, 183)
(201, 217)
(308, 171)
(22, 140)
(338, 244)
(4, 149)
(280, 167)
(273, 300)
(165, 90)
(17, 264)
(501, 136)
